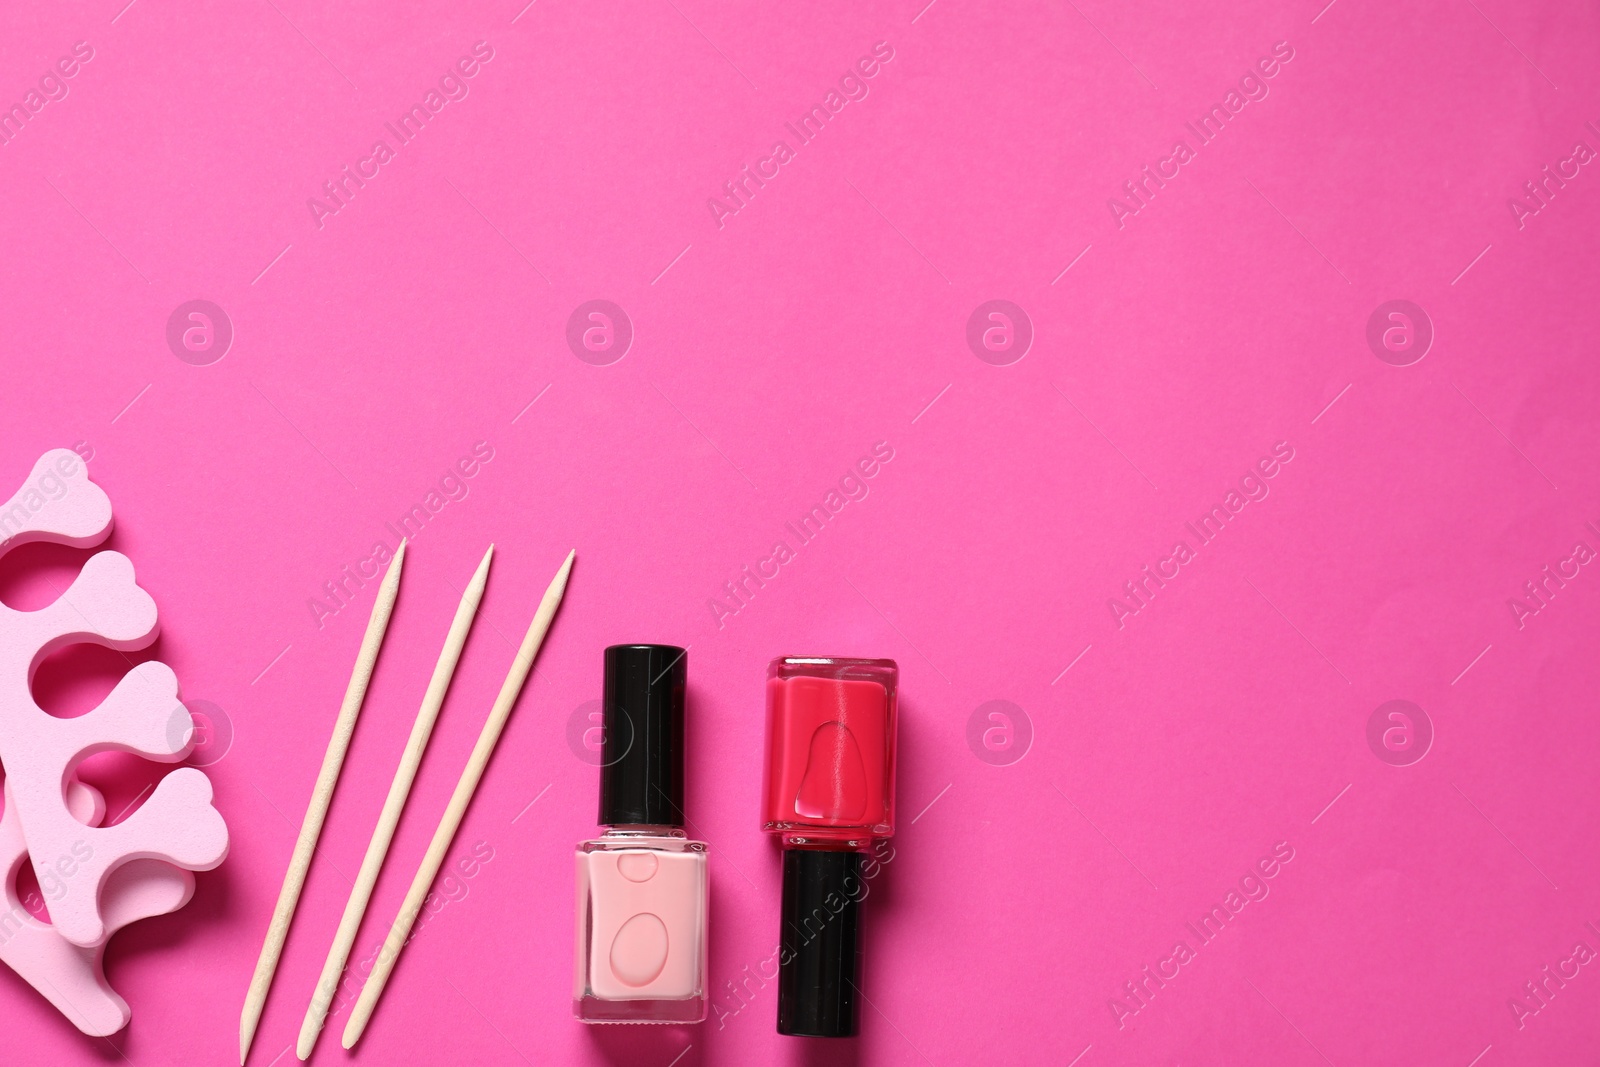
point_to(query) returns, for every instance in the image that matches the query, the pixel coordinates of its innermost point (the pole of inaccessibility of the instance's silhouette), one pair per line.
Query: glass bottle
(828, 793)
(640, 936)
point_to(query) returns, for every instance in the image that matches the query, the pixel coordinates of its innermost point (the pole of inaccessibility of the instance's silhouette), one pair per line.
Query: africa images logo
(739, 190)
(453, 87)
(1252, 87)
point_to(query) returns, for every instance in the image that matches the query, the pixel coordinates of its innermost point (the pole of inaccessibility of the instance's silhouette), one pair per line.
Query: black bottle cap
(641, 769)
(819, 961)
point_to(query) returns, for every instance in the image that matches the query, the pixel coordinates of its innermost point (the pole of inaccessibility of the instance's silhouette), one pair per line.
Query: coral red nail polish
(829, 791)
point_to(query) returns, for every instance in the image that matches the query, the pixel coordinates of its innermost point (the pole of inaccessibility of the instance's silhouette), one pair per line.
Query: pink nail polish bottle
(641, 900)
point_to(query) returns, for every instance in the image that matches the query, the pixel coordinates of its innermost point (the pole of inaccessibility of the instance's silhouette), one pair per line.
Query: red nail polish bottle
(829, 791)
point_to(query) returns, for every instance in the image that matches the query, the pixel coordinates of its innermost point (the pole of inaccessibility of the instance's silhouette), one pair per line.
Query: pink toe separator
(96, 879)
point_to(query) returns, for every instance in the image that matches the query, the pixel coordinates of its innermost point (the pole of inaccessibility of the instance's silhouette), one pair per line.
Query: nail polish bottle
(829, 793)
(641, 886)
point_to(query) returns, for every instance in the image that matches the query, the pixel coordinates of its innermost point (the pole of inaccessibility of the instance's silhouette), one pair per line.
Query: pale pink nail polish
(641, 886)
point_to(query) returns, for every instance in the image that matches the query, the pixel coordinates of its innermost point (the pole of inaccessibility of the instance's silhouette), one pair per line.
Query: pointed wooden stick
(294, 879)
(389, 818)
(457, 807)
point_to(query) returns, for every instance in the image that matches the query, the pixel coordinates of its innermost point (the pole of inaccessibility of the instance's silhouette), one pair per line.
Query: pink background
(828, 314)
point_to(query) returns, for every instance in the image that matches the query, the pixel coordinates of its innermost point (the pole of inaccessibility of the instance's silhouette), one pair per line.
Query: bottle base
(592, 1009)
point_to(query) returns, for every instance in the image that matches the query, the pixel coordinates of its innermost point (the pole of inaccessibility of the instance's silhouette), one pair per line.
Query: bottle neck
(828, 839)
(643, 830)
